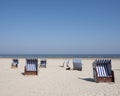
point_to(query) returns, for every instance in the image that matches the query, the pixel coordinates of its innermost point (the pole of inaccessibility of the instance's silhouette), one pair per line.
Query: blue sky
(59, 26)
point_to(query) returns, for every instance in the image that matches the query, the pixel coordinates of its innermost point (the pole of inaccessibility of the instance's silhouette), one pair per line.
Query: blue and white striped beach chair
(14, 63)
(102, 70)
(43, 63)
(31, 67)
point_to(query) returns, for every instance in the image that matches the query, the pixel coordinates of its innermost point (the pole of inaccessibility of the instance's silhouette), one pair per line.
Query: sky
(59, 26)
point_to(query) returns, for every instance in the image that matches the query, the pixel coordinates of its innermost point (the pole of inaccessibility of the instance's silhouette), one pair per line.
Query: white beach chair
(77, 64)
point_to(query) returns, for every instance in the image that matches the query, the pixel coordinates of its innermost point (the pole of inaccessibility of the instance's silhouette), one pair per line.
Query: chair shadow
(117, 69)
(61, 66)
(87, 79)
(23, 73)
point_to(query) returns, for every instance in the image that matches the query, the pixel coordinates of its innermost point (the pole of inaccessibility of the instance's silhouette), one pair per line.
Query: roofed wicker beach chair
(102, 70)
(14, 63)
(43, 63)
(77, 64)
(31, 67)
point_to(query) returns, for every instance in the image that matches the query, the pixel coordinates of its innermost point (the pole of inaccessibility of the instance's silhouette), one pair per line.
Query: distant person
(66, 62)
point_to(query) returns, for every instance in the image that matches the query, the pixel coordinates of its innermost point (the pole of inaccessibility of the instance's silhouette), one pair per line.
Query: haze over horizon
(59, 27)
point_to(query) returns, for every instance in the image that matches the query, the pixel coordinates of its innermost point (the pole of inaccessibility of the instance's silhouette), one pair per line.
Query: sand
(55, 80)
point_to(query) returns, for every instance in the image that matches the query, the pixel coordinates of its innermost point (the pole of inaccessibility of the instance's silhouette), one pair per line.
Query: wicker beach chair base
(104, 79)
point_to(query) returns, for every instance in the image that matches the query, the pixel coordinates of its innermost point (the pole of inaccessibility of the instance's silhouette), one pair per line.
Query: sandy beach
(55, 80)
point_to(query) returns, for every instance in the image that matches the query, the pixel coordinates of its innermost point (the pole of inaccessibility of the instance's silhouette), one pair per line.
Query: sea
(60, 55)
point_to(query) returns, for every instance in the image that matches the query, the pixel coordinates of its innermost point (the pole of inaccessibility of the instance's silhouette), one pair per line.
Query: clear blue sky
(60, 26)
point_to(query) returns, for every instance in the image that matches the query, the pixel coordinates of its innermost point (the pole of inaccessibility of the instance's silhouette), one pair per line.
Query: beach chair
(43, 63)
(77, 64)
(102, 71)
(14, 63)
(31, 67)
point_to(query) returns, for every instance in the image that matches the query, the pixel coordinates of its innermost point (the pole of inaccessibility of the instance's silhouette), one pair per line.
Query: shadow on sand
(23, 73)
(117, 69)
(87, 79)
(61, 66)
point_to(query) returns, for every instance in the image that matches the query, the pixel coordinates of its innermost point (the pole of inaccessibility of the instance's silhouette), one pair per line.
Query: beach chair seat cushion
(31, 67)
(103, 71)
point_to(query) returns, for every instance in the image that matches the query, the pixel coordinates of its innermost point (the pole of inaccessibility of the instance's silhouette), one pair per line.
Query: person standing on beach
(66, 62)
